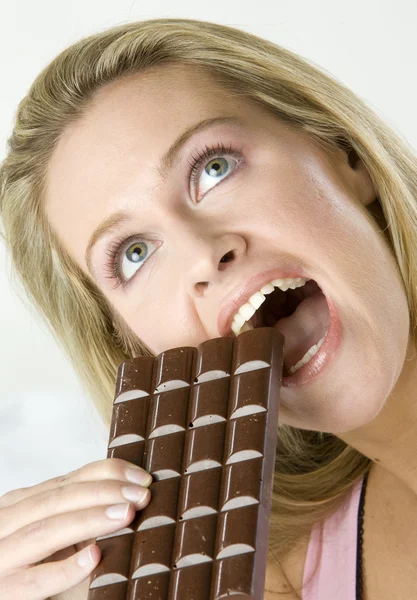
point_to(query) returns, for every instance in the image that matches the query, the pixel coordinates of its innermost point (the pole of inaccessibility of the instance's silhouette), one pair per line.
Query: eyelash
(117, 246)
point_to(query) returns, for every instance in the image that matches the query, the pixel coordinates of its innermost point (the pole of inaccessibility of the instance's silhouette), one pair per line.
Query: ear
(365, 188)
(361, 178)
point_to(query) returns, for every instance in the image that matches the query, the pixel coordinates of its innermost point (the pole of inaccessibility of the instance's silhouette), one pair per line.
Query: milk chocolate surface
(203, 421)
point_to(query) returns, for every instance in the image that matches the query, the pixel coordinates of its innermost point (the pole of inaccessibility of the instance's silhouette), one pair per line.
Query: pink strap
(335, 578)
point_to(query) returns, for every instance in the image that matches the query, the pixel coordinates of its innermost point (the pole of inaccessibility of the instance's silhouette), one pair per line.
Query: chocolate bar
(203, 421)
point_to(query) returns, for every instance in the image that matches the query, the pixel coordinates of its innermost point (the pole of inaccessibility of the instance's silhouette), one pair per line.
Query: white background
(47, 424)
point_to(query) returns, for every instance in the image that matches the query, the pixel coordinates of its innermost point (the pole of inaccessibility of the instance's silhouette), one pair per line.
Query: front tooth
(247, 311)
(294, 283)
(235, 327)
(256, 300)
(281, 284)
(239, 319)
(267, 289)
(246, 327)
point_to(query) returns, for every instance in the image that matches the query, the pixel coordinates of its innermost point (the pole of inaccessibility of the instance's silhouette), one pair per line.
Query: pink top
(335, 578)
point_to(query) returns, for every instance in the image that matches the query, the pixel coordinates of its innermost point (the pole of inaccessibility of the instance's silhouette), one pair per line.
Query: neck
(390, 439)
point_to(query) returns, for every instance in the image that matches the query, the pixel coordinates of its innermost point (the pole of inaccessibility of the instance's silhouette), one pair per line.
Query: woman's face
(267, 198)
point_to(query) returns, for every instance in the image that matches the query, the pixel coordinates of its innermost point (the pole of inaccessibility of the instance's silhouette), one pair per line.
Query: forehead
(122, 134)
(138, 112)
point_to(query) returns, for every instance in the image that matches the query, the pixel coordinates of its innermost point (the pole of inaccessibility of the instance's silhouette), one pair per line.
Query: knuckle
(65, 572)
(115, 464)
(107, 468)
(11, 497)
(36, 530)
(113, 468)
(51, 499)
(101, 490)
(63, 479)
(117, 467)
(33, 582)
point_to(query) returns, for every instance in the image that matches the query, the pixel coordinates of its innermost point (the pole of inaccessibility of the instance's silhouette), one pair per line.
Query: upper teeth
(246, 312)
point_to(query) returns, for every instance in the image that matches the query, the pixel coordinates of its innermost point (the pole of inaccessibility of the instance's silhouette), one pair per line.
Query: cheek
(325, 230)
(358, 384)
(164, 327)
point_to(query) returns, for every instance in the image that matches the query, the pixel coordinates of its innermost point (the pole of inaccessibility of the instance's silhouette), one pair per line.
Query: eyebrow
(163, 169)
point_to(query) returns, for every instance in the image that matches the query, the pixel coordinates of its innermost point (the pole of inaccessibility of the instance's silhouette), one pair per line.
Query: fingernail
(134, 494)
(84, 558)
(139, 476)
(117, 512)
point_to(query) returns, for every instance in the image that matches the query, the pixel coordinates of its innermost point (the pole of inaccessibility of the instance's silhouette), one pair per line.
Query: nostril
(227, 257)
(201, 287)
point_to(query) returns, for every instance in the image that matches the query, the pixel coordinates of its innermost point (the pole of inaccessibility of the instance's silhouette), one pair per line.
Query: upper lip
(241, 295)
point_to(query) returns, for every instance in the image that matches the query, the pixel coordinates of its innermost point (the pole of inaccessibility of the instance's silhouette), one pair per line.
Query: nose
(210, 261)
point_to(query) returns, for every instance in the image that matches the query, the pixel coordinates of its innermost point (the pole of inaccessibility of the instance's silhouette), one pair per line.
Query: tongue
(304, 328)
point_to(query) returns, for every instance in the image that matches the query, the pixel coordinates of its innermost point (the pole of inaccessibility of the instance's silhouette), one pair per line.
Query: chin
(352, 390)
(335, 419)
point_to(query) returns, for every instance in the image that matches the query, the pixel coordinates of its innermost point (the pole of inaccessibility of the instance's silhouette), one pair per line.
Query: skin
(287, 204)
(45, 528)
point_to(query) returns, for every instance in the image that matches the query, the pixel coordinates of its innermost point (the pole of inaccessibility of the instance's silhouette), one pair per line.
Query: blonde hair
(314, 470)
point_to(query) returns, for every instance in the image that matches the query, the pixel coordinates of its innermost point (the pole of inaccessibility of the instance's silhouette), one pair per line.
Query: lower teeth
(307, 356)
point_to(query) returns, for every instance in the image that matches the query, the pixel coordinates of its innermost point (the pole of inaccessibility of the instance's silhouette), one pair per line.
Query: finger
(69, 551)
(41, 539)
(108, 468)
(69, 498)
(49, 579)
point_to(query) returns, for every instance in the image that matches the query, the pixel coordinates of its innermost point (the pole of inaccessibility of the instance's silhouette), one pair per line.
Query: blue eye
(135, 254)
(123, 255)
(215, 163)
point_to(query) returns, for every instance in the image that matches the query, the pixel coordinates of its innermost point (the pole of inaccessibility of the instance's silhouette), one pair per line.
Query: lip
(240, 296)
(324, 356)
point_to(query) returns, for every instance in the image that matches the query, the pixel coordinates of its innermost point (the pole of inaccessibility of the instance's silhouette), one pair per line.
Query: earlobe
(366, 190)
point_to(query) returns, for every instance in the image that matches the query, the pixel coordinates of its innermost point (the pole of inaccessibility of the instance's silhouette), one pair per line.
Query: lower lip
(320, 361)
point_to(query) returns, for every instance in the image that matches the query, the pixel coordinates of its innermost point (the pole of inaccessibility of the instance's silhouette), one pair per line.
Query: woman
(129, 249)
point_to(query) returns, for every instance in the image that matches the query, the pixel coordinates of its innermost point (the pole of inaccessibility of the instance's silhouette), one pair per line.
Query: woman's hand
(46, 530)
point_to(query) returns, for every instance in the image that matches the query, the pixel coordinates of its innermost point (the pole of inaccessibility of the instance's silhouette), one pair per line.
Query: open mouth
(302, 316)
